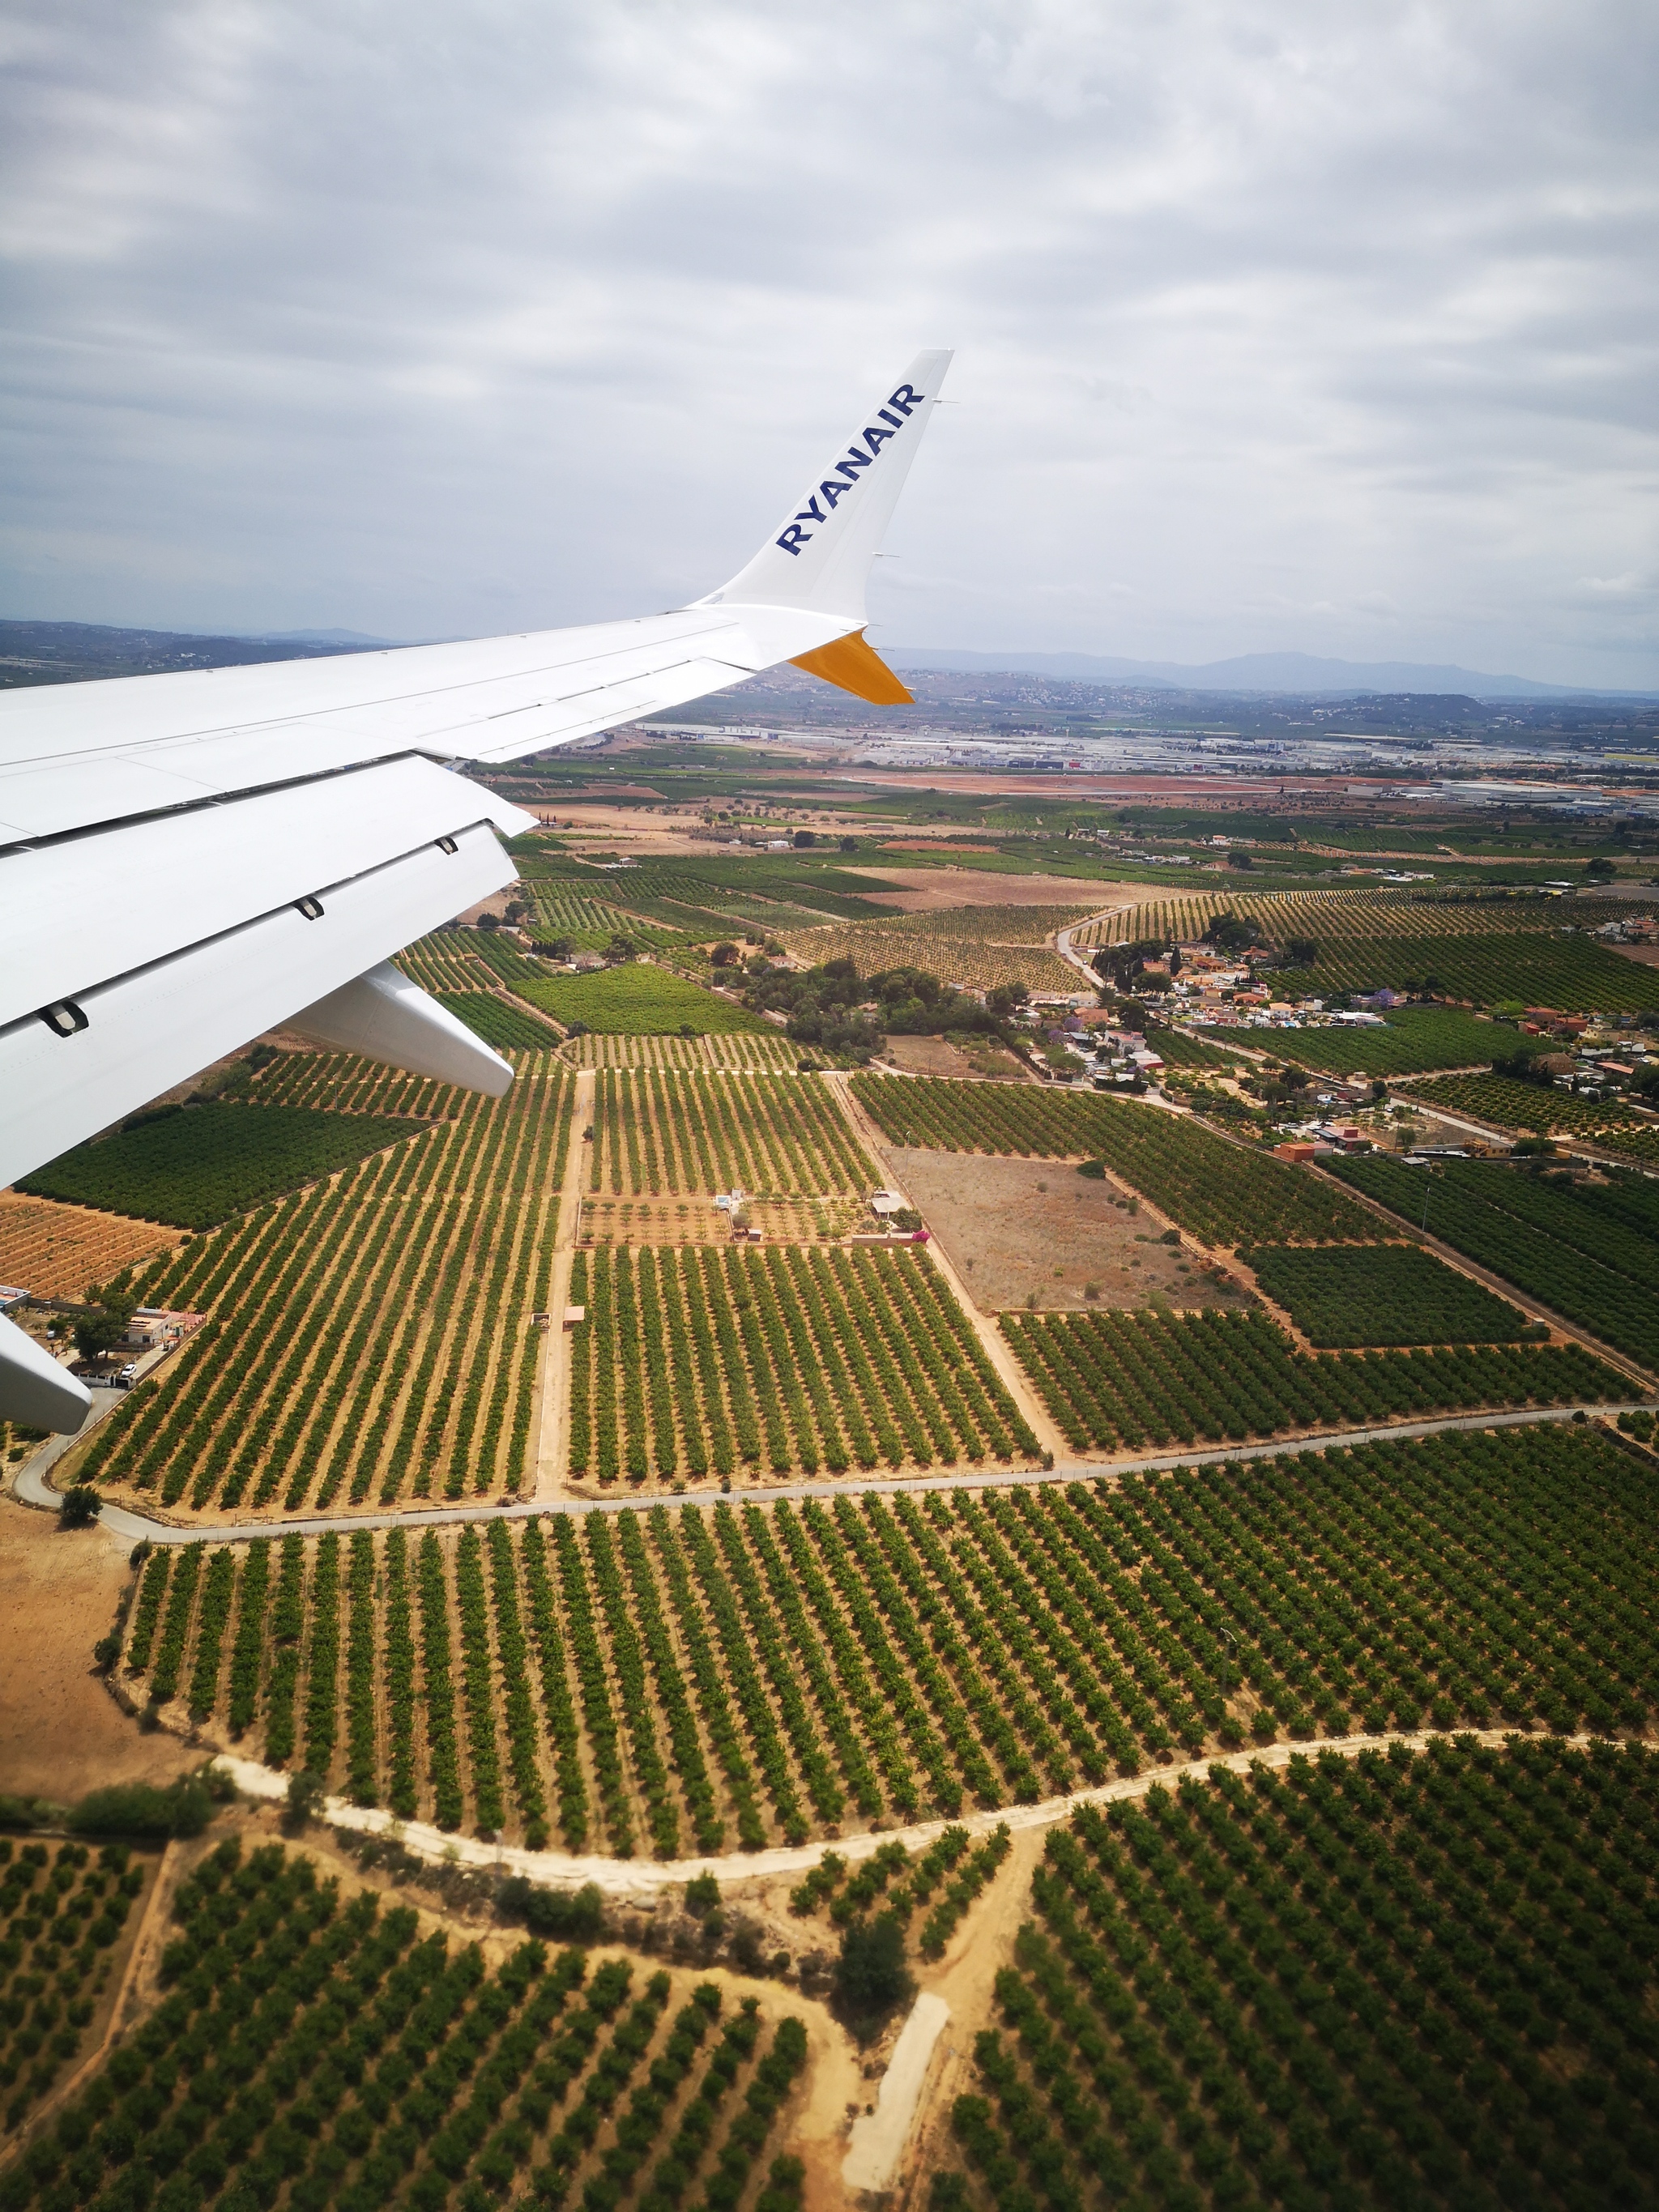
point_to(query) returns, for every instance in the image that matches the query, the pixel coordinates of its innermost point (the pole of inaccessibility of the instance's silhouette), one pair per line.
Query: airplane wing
(189, 859)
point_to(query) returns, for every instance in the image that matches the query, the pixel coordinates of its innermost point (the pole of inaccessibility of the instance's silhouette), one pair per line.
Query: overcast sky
(1281, 325)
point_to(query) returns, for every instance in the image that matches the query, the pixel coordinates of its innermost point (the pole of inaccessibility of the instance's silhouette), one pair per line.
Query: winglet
(852, 663)
(818, 557)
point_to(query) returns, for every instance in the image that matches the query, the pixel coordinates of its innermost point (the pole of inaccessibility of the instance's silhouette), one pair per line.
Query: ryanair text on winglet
(835, 488)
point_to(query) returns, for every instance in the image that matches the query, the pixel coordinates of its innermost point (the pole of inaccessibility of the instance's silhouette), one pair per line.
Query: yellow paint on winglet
(852, 666)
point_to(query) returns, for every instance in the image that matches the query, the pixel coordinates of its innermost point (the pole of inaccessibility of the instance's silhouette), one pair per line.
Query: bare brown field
(927, 890)
(924, 1056)
(660, 1221)
(1015, 1228)
(55, 1250)
(60, 1732)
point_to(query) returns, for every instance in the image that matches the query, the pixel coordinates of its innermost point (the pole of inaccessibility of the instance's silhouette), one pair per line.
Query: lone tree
(81, 1507)
(805, 837)
(871, 1976)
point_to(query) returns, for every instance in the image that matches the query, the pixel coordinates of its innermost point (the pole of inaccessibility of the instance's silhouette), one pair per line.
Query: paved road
(32, 1489)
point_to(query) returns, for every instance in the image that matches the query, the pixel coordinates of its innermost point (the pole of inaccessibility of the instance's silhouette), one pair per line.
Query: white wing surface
(188, 860)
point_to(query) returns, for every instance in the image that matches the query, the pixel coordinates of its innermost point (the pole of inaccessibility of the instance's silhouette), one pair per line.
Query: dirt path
(554, 1384)
(30, 1487)
(992, 1340)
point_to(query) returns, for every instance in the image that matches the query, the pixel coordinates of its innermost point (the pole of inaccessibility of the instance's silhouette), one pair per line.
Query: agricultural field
(1183, 1049)
(55, 1251)
(722, 1676)
(1405, 1978)
(1572, 973)
(346, 2052)
(775, 1135)
(368, 1341)
(608, 1221)
(1219, 1192)
(1488, 953)
(589, 924)
(977, 946)
(341, 1083)
(1117, 1382)
(1509, 1104)
(498, 1022)
(198, 1166)
(65, 1906)
(1382, 1294)
(1415, 1040)
(782, 1360)
(468, 960)
(1346, 921)
(772, 1051)
(1589, 1253)
(638, 1000)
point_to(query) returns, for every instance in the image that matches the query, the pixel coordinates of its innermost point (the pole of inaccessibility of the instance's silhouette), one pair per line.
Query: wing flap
(149, 1029)
(90, 908)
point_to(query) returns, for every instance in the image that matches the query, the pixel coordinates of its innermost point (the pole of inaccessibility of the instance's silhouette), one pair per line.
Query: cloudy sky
(1280, 325)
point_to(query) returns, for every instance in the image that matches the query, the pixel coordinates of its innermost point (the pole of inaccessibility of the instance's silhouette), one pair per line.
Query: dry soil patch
(60, 1732)
(55, 1250)
(932, 1055)
(927, 890)
(1012, 1227)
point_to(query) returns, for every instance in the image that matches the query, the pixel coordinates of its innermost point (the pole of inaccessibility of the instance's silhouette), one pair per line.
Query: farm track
(551, 1415)
(642, 1882)
(30, 1487)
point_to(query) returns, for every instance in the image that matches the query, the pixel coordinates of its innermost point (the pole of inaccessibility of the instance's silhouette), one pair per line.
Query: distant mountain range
(1300, 673)
(41, 651)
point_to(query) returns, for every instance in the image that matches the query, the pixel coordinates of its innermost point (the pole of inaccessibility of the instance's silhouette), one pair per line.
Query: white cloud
(430, 320)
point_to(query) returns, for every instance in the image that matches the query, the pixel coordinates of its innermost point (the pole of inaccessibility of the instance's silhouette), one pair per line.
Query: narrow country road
(30, 1487)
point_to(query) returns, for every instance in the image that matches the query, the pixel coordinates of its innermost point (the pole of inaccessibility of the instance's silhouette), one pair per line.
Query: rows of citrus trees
(196, 1167)
(1586, 1251)
(769, 1051)
(499, 1021)
(1113, 1380)
(368, 1337)
(769, 1134)
(1219, 1192)
(1509, 1104)
(713, 1678)
(788, 1359)
(61, 1909)
(1374, 1981)
(336, 2051)
(1345, 1294)
(344, 1084)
